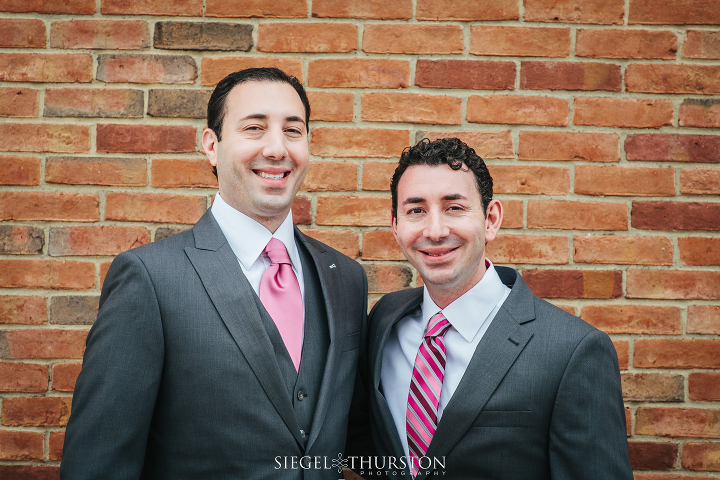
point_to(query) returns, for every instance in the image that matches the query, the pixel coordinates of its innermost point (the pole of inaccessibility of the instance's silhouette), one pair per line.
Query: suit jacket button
(302, 433)
(301, 395)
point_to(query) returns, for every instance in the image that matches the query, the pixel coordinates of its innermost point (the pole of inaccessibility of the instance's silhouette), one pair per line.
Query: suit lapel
(232, 295)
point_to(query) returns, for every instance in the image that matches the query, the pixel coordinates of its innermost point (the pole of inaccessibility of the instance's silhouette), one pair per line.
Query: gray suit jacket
(179, 378)
(540, 399)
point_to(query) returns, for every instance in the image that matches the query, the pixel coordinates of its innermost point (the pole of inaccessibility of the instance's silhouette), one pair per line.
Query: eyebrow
(262, 116)
(450, 197)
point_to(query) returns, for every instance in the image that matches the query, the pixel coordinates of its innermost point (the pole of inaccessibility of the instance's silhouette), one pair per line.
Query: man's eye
(414, 211)
(294, 131)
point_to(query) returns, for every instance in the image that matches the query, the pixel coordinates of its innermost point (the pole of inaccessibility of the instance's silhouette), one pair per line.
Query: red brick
(73, 309)
(96, 171)
(677, 422)
(680, 353)
(353, 211)
(103, 272)
(344, 241)
(182, 172)
(465, 74)
(133, 68)
(512, 214)
(332, 106)
(702, 44)
(191, 8)
(154, 207)
(617, 43)
(704, 387)
(381, 245)
(574, 283)
(672, 78)
(411, 108)
(18, 102)
(330, 177)
(462, 10)
(623, 250)
(673, 284)
(704, 319)
(519, 41)
(24, 446)
(358, 142)
(100, 34)
(377, 175)
(64, 376)
(16, 170)
(570, 76)
(55, 445)
(22, 33)
(302, 210)
(569, 146)
(572, 215)
(94, 102)
(605, 12)
(624, 181)
(215, 69)
(568, 308)
(72, 207)
(412, 39)
(679, 12)
(307, 37)
(22, 472)
(44, 137)
(701, 456)
(358, 73)
(387, 278)
(668, 147)
(36, 411)
(22, 310)
(48, 274)
(676, 215)
(486, 144)
(622, 112)
(370, 9)
(699, 250)
(622, 348)
(46, 67)
(652, 455)
(704, 113)
(517, 110)
(530, 180)
(115, 138)
(21, 240)
(23, 377)
(109, 240)
(528, 249)
(634, 319)
(700, 181)
(73, 7)
(41, 343)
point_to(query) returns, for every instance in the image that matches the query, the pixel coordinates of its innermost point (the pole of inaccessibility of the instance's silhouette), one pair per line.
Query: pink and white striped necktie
(425, 388)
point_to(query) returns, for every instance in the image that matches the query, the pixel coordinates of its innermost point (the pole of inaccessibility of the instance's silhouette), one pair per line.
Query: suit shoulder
(342, 260)
(393, 300)
(564, 323)
(163, 250)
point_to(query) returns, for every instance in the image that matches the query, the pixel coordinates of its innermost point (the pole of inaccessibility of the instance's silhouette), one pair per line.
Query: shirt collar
(467, 313)
(248, 238)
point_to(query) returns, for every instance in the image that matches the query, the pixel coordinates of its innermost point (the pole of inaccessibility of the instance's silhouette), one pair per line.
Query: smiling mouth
(271, 176)
(438, 254)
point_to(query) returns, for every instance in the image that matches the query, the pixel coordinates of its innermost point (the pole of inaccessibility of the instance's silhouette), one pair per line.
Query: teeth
(270, 175)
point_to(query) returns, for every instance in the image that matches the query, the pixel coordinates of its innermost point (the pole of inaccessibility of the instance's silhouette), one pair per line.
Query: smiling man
(228, 351)
(472, 376)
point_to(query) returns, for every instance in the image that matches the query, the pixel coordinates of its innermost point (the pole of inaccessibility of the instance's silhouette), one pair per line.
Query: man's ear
(209, 144)
(493, 220)
(393, 223)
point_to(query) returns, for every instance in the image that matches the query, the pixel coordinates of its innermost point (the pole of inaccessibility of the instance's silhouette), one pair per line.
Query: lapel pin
(332, 266)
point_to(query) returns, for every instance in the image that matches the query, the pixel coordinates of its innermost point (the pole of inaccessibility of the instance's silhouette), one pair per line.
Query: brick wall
(598, 120)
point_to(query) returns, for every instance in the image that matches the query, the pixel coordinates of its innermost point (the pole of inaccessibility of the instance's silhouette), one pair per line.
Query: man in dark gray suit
(472, 376)
(228, 351)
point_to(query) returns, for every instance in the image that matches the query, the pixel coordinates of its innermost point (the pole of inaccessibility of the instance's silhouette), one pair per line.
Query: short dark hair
(217, 105)
(444, 151)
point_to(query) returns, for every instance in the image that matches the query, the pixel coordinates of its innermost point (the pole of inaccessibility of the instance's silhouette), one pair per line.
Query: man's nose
(274, 147)
(436, 229)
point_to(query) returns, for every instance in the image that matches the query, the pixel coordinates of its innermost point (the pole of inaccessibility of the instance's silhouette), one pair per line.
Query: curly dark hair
(444, 151)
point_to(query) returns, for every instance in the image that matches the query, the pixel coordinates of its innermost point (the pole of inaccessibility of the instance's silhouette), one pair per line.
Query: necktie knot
(438, 326)
(276, 251)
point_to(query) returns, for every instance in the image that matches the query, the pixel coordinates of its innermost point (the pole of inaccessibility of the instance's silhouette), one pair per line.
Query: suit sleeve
(115, 393)
(588, 437)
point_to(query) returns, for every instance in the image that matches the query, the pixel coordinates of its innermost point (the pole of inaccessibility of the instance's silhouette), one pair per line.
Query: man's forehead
(260, 93)
(436, 181)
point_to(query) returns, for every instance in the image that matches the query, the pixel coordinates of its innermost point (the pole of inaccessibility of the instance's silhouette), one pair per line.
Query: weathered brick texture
(597, 119)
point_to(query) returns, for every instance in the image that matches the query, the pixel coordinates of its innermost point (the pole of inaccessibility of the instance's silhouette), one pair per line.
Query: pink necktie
(425, 387)
(280, 295)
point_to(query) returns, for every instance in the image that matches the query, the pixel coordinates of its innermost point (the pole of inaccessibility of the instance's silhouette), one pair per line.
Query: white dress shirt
(248, 239)
(470, 316)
